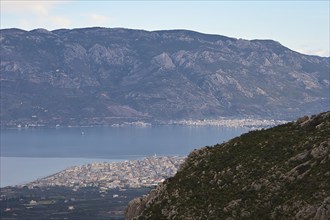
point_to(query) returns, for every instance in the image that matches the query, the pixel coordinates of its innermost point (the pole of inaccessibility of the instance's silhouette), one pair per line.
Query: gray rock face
(57, 75)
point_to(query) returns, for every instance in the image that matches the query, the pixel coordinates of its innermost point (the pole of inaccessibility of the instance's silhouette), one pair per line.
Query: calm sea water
(27, 154)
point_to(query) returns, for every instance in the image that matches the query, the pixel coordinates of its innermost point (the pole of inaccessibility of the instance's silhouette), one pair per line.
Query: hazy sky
(300, 25)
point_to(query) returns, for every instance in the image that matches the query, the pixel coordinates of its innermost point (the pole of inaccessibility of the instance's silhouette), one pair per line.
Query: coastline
(21, 170)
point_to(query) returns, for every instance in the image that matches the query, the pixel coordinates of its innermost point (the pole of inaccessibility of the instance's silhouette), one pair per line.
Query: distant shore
(223, 122)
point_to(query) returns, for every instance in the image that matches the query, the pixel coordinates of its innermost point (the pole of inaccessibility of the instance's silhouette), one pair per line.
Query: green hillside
(279, 173)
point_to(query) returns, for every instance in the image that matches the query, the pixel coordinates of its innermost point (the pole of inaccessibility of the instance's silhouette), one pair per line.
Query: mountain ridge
(276, 173)
(93, 76)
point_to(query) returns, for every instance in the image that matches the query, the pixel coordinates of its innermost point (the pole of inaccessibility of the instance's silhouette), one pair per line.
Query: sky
(302, 26)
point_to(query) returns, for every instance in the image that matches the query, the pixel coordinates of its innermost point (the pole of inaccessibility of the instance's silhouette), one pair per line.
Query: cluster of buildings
(127, 174)
(250, 123)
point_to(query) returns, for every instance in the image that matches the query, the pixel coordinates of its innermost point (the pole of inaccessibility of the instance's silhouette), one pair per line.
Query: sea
(31, 153)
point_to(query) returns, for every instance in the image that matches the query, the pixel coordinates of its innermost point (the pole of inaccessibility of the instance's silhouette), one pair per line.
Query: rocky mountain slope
(98, 75)
(278, 173)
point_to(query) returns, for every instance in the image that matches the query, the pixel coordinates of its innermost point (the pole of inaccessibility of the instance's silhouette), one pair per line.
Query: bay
(22, 170)
(27, 154)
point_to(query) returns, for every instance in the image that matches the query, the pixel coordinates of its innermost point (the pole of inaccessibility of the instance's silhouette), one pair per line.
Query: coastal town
(135, 122)
(147, 172)
(90, 191)
(226, 122)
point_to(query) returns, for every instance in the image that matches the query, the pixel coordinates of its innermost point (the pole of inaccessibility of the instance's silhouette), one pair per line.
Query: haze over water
(27, 154)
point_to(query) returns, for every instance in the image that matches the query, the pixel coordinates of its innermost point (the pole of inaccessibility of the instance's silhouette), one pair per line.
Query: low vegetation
(278, 173)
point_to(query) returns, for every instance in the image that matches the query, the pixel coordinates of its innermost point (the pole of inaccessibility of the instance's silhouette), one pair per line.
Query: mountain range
(104, 75)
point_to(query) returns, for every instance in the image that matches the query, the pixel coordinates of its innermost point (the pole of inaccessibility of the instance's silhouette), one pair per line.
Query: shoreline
(54, 166)
(219, 122)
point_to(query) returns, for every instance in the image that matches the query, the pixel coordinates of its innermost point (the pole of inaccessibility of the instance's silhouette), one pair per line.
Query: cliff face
(93, 75)
(278, 173)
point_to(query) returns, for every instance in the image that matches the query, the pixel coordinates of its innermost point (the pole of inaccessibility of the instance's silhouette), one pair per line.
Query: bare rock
(323, 212)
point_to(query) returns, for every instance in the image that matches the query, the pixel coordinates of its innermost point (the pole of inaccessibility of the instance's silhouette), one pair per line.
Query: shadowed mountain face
(97, 75)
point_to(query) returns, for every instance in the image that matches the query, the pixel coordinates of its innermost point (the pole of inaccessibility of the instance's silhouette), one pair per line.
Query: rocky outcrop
(323, 212)
(278, 173)
(81, 76)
